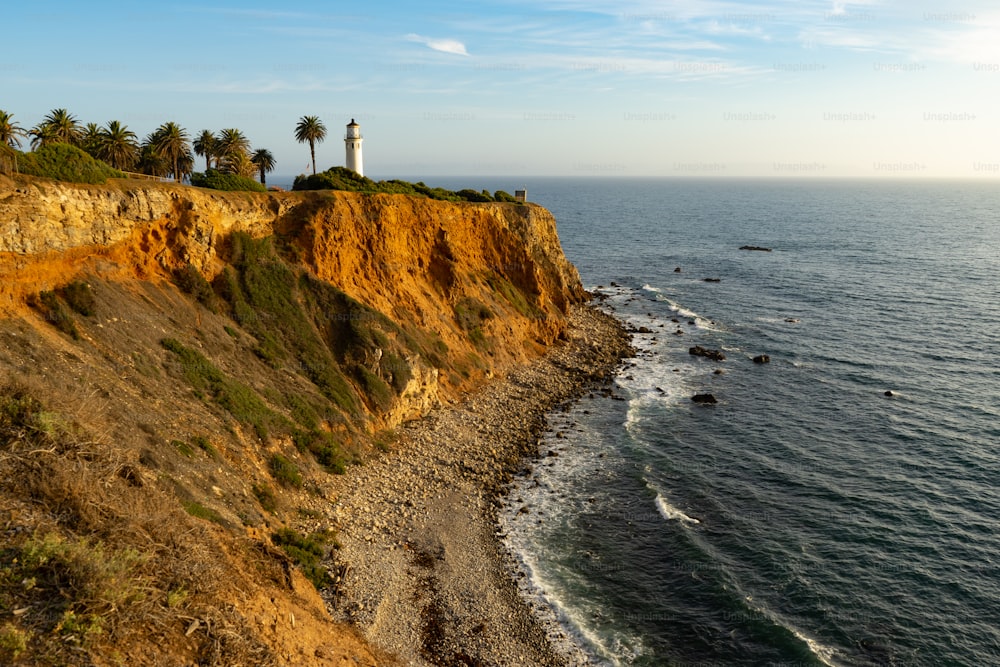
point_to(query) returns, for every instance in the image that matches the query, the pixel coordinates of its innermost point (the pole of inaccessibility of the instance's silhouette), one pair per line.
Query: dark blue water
(806, 518)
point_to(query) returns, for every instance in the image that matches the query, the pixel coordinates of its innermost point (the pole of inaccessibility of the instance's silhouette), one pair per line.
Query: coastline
(425, 574)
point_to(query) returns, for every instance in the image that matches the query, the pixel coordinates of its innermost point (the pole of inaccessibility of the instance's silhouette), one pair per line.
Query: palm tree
(64, 126)
(232, 143)
(239, 164)
(118, 146)
(150, 160)
(206, 145)
(90, 140)
(10, 132)
(170, 140)
(265, 162)
(310, 129)
(41, 135)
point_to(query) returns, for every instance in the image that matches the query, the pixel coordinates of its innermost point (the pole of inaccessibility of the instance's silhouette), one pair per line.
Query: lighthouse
(352, 143)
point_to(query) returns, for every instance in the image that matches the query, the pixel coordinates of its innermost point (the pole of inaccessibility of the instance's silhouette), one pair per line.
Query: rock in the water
(762, 359)
(713, 280)
(889, 393)
(677, 270)
(704, 399)
(755, 247)
(714, 355)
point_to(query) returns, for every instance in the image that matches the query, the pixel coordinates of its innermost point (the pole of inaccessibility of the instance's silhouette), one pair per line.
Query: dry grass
(98, 560)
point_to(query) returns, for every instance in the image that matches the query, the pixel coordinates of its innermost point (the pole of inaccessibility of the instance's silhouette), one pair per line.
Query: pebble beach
(424, 571)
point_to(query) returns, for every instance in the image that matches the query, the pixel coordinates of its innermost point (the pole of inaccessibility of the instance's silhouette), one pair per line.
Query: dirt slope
(184, 370)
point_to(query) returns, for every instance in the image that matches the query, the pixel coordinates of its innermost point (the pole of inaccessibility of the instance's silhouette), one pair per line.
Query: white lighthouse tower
(352, 143)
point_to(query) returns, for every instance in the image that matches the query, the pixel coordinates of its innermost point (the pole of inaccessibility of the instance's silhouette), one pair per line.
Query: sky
(689, 88)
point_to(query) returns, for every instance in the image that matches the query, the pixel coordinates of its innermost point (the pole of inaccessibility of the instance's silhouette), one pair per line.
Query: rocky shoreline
(423, 572)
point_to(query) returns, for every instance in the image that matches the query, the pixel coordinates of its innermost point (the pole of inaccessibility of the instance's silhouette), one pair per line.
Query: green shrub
(302, 411)
(190, 281)
(375, 387)
(52, 309)
(399, 371)
(62, 162)
(324, 449)
(23, 419)
(307, 553)
(199, 511)
(335, 178)
(285, 471)
(182, 447)
(473, 196)
(240, 401)
(341, 178)
(470, 313)
(79, 296)
(216, 180)
(203, 443)
(265, 496)
(514, 296)
(13, 641)
(503, 196)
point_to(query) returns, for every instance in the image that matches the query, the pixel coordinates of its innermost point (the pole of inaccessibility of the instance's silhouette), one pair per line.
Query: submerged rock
(762, 359)
(755, 247)
(704, 399)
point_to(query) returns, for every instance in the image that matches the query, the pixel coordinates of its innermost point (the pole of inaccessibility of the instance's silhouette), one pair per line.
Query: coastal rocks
(714, 355)
(762, 359)
(755, 247)
(712, 280)
(704, 399)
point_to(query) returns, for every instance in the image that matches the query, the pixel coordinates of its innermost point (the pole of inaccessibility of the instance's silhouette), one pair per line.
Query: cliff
(185, 370)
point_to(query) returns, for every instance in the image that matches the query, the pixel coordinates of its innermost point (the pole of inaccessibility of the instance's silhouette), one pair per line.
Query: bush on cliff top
(341, 178)
(62, 162)
(216, 180)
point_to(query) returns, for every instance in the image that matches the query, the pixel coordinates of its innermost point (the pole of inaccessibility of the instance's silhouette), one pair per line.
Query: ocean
(807, 517)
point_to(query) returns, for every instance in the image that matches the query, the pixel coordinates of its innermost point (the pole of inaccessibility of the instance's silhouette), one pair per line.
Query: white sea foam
(823, 653)
(671, 513)
(699, 320)
(547, 584)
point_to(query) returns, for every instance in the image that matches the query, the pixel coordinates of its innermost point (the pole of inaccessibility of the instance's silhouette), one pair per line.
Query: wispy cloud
(452, 46)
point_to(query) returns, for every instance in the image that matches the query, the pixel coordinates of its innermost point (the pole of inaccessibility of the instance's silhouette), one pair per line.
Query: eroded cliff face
(373, 246)
(308, 326)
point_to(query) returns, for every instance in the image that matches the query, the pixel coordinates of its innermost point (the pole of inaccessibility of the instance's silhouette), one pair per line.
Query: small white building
(352, 144)
(521, 195)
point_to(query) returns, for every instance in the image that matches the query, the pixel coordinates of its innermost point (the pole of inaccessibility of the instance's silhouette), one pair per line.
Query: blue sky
(689, 88)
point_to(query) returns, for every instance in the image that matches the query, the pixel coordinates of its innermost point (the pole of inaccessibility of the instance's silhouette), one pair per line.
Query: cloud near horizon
(443, 45)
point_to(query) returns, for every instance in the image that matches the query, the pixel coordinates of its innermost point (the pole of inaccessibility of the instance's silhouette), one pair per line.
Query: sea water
(807, 518)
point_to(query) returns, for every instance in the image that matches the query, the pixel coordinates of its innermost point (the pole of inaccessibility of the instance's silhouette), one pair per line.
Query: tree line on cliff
(168, 151)
(64, 149)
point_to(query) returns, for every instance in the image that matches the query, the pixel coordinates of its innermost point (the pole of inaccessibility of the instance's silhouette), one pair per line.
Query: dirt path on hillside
(427, 578)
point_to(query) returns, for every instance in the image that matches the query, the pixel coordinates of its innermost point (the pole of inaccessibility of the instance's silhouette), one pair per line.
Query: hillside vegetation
(341, 178)
(182, 398)
(62, 162)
